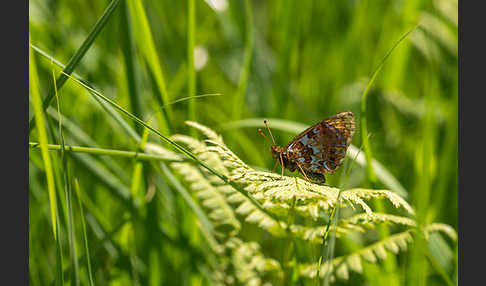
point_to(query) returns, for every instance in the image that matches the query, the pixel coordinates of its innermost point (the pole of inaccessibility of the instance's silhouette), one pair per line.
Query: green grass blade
(191, 72)
(42, 133)
(144, 39)
(79, 54)
(68, 191)
(239, 101)
(129, 57)
(130, 131)
(59, 280)
(85, 235)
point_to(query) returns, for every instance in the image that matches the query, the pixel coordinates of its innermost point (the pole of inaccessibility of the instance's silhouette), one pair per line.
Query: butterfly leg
(281, 162)
(303, 173)
(275, 165)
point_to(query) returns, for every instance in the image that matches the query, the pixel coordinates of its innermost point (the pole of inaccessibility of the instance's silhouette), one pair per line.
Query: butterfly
(319, 149)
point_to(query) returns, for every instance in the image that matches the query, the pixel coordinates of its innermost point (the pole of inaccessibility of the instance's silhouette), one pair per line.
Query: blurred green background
(300, 61)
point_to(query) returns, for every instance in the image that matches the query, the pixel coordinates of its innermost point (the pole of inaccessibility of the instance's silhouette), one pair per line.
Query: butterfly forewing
(321, 148)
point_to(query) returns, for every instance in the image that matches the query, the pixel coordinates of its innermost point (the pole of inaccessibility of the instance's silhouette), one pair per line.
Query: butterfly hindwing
(322, 147)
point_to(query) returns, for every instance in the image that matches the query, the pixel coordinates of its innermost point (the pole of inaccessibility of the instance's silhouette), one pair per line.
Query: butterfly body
(320, 148)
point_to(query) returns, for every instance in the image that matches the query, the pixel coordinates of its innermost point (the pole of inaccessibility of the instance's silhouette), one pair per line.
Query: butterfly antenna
(269, 131)
(263, 134)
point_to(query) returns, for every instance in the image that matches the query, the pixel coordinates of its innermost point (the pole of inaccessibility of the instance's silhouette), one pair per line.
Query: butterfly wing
(321, 148)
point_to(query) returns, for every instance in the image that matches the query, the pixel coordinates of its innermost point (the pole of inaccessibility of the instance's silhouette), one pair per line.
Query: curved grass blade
(78, 55)
(42, 133)
(181, 100)
(133, 134)
(364, 128)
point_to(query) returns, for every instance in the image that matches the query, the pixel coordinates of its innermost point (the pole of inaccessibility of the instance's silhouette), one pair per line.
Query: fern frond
(252, 214)
(220, 213)
(440, 227)
(370, 221)
(209, 133)
(356, 223)
(310, 198)
(200, 149)
(356, 196)
(274, 193)
(159, 150)
(340, 266)
(246, 265)
(250, 264)
(231, 160)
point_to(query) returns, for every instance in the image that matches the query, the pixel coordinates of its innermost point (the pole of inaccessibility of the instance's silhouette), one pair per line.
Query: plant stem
(108, 152)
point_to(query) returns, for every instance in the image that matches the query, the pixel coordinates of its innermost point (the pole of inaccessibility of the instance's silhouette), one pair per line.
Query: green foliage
(111, 203)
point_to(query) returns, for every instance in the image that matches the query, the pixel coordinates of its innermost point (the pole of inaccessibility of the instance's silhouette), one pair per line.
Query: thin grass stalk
(239, 101)
(78, 55)
(68, 191)
(324, 241)
(126, 127)
(85, 234)
(108, 152)
(191, 72)
(79, 137)
(137, 176)
(331, 248)
(363, 115)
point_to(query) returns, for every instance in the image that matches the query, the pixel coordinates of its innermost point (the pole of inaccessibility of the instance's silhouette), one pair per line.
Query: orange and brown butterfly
(319, 149)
